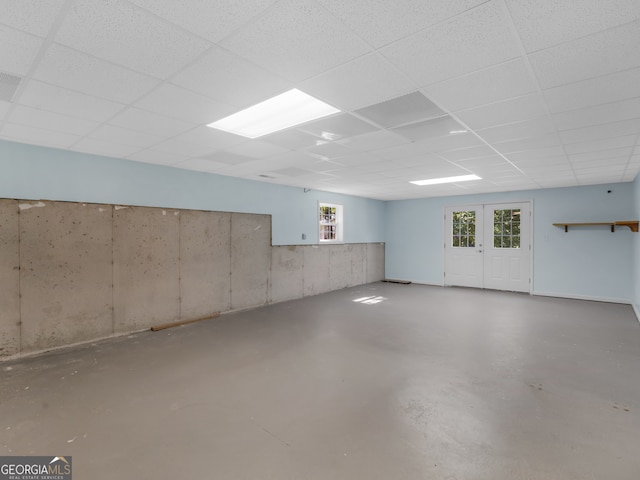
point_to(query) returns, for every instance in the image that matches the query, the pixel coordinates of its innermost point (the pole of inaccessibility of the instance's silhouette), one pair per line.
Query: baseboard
(590, 298)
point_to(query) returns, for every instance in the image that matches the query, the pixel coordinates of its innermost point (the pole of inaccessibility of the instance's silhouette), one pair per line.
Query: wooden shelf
(632, 224)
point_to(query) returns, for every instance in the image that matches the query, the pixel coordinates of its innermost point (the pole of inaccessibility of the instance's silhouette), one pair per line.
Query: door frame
(504, 202)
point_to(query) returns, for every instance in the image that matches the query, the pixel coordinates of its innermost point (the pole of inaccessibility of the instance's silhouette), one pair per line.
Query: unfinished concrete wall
(205, 263)
(73, 272)
(65, 273)
(146, 288)
(375, 263)
(287, 273)
(9, 278)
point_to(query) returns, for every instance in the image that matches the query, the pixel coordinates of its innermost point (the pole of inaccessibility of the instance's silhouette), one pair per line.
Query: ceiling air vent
(8, 86)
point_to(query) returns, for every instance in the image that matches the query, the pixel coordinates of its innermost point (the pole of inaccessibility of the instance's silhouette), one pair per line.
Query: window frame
(338, 223)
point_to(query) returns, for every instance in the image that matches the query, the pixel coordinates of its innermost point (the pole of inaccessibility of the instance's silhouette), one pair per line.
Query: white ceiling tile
(337, 127)
(328, 151)
(416, 161)
(537, 153)
(226, 158)
(501, 113)
(598, 115)
(32, 16)
(18, 50)
(599, 145)
(500, 82)
(292, 139)
(381, 22)
(599, 54)
(613, 129)
(148, 122)
(526, 144)
(230, 79)
(449, 142)
(125, 136)
(4, 109)
(436, 127)
(595, 91)
(37, 136)
(200, 164)
(373, 141)
(540, 163)
(257, 149)
(483, 152)
(609, 164)
(357, 159)
(210, 20)
(476, 39)
(296, 39)
(409, 108)
(512, 131)
(601, 155)
(125, 35)
(359, 83)
(544, 24)
(55, 122)
(203, 140)
(176, 102)
(159, 157)
(405, 150)
(74, 70)
(66, 102)
(106, 148)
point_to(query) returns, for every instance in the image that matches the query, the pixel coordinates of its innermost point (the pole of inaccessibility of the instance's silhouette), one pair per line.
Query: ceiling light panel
(410, 108)
(278, 113)
(436, 181)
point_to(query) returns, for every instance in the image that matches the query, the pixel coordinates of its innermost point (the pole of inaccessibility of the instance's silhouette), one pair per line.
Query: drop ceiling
(525, 94)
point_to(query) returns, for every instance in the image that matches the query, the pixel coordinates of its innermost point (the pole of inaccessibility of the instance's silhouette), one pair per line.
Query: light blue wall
(31, 172)
(588, 262)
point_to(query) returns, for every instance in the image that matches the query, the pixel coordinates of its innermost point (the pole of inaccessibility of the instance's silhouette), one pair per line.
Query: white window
(331, 226)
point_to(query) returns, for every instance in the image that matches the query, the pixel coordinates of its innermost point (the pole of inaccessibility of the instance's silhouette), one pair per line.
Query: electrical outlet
(304, 236)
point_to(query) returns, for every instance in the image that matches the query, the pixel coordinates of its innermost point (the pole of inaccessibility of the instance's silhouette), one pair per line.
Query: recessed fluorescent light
(435, 181)
(283, 111)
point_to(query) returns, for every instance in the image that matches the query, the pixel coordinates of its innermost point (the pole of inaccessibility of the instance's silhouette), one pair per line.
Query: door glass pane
(506, 228)
(464, 229)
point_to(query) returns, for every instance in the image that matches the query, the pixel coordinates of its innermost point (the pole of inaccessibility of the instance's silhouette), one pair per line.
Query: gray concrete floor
(430, 383)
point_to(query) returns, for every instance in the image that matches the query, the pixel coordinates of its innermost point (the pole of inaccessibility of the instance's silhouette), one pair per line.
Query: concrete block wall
(75, 272)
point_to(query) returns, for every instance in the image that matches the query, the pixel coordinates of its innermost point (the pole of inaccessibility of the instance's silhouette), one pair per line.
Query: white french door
(488, 246)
